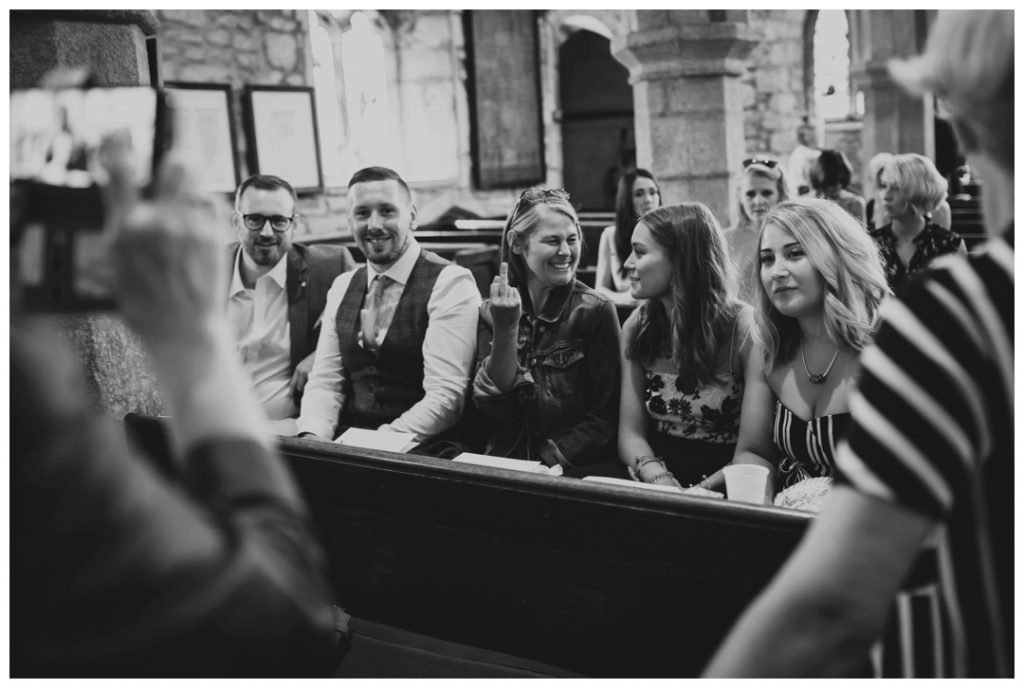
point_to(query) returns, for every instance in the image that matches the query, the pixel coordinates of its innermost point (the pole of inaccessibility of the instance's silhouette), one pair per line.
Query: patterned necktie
(375, 314)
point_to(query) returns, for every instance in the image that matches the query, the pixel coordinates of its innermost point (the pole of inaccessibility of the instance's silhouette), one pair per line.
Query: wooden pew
(467, 236)
(600, 580)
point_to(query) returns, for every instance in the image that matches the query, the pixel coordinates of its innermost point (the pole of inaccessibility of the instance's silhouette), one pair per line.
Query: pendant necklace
(814, 378)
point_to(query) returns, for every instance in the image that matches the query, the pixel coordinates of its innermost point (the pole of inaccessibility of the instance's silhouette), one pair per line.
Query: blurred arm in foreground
(116, 569)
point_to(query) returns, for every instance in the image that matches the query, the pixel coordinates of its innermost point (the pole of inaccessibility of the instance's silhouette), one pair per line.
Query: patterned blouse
(690, 411)
(931, 242)
(710, 413)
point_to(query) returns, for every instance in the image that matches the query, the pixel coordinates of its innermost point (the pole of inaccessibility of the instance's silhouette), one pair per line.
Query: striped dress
(807, 447)
(932, 430)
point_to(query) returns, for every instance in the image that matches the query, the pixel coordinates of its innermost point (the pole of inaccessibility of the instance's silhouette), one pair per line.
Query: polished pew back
(600, 580)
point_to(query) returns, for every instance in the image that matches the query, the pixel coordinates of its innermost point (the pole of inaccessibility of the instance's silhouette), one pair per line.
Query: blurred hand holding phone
(59, 166)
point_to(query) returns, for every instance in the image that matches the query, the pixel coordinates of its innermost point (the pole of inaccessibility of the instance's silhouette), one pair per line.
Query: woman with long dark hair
(638, 193)
(685, 350)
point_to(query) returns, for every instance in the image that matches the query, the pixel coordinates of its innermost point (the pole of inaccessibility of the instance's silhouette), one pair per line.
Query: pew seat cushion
(382, 651)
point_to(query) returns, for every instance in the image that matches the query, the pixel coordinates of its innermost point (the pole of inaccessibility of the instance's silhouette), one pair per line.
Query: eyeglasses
(255, 222)
(770, 164)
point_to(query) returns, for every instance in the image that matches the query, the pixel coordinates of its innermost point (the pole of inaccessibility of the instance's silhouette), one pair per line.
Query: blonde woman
(821, 283)
(911, 190)
(761, 185)
(547, 345)
(875, 212)
(930, 448)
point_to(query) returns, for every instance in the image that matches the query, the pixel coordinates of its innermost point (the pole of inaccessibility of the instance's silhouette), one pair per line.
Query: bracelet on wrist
(643, 460)
(659, 476)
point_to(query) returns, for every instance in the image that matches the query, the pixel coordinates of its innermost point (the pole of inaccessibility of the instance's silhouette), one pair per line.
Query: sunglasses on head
(770, 164)
(535, 196)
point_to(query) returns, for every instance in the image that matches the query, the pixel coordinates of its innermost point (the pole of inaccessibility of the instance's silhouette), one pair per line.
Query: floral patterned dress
(694, 428)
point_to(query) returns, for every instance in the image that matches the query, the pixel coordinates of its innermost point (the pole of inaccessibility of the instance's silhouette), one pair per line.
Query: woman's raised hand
(506, 306)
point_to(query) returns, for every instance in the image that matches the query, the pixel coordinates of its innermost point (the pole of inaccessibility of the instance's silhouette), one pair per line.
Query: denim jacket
(566, 388)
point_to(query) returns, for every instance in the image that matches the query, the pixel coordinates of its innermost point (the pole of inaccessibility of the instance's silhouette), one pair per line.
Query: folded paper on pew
(632, 483)
(510, 464)
(399, 442)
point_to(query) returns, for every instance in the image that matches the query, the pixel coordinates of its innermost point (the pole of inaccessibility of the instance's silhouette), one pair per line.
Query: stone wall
(774, 93)
(426, 55)
(430, 57)
(240, 47)
(266, 47)
(426, 74)
(773, 100)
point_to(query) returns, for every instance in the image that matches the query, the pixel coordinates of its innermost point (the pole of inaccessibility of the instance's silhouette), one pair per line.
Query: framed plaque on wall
(281, 134)
(506, 125)
(204, 129)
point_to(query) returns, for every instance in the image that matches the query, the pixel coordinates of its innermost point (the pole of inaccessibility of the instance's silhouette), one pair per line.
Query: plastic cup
(746, 483)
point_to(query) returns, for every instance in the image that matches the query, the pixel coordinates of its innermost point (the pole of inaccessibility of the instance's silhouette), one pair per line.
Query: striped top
(808, 447)
(932, 429)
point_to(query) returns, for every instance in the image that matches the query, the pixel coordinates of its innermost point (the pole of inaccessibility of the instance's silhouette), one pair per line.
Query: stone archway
(596, 104)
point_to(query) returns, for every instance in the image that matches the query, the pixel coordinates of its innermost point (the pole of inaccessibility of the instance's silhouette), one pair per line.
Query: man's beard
(389, 257)
(265, 254)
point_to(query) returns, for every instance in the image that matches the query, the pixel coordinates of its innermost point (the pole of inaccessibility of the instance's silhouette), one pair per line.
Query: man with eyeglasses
(277, 292)
(398, 345)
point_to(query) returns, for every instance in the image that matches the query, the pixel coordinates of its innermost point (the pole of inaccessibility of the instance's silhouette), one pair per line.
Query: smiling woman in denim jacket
(548, 361)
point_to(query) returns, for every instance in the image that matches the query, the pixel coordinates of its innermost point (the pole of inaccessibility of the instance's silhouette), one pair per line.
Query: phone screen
(56, 134)
(56, 167)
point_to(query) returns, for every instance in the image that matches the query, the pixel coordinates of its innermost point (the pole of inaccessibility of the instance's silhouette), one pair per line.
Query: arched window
(329, 114)
(364, 59)
(832, 67)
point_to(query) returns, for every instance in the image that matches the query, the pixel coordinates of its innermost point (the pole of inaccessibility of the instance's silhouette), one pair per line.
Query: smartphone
(62, 262)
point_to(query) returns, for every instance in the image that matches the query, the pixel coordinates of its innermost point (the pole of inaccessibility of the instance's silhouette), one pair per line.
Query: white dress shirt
(259, 321)
(449, 352)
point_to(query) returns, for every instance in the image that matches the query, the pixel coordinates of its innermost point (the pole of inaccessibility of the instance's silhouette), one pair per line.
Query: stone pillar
(894, 122)
(688, 101)
(112, 45)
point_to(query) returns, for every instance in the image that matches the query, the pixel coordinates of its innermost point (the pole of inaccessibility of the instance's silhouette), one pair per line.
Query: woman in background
(761, 185)
(821, 287)
(547, 345)
(685, 349)
(831, 173)
(877, 215)
(875, 212)
(911, 189)
(638, 193)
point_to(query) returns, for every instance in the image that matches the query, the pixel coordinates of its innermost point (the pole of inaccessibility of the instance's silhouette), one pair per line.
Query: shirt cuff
(318, 427)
